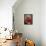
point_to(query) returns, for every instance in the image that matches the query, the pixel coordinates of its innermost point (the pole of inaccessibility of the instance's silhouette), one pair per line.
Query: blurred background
(37, 31)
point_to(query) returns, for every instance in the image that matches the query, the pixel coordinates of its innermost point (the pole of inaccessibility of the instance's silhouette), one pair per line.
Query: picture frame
(28, 19)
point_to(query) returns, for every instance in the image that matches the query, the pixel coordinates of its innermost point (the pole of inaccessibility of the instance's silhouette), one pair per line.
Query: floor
(9, 43)
(12, 42)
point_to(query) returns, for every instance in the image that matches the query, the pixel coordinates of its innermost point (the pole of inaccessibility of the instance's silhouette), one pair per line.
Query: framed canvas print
(28, 19)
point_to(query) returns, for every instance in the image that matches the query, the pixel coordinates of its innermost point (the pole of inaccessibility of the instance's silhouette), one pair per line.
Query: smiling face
(28, 19)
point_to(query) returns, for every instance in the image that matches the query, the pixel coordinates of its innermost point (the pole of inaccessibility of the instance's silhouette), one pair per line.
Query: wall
(6, 13)
(43, 22)
(29, 31)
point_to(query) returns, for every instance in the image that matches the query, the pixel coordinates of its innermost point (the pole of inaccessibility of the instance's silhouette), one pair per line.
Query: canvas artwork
(28, 19)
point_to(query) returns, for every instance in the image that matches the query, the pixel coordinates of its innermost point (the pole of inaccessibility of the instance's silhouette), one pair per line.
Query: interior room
(22, 22)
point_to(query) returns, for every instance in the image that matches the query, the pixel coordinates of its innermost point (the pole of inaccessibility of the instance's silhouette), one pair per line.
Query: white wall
(43, 22)
(29, 31)
(6, 13)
